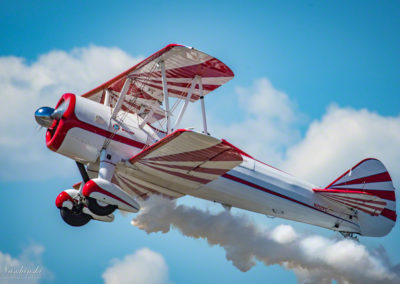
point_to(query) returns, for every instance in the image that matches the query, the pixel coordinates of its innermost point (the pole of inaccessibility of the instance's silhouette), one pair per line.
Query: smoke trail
(314, 259)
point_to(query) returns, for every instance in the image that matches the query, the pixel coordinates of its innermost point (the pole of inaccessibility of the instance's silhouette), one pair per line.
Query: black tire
(97, 209)
(74, 217)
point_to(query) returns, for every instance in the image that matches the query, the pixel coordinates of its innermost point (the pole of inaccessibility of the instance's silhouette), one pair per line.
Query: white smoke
(314, 259)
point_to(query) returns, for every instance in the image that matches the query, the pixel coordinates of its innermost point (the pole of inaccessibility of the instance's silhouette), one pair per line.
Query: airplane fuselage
(252, 186)
(257, 187)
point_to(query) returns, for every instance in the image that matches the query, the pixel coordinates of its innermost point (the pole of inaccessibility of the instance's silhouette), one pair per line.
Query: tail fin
(370, 189)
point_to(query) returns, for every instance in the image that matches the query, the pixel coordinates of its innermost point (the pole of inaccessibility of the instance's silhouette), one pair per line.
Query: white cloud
(343, 137)
(143, 267)
(27, 268)
(269, 124)
(25, 87)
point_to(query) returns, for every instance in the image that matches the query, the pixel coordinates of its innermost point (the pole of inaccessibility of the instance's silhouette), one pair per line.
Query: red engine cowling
(79, 133)
(75, 136)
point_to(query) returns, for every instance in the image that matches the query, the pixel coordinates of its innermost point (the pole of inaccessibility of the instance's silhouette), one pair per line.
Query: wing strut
(166, 97)
(187, 100)
(121, 98)
(203, 107)
(149, 115)
(107, 98)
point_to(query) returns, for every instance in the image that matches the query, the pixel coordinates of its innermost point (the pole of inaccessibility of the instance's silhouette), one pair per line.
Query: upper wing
(182, 161)
(182, 65)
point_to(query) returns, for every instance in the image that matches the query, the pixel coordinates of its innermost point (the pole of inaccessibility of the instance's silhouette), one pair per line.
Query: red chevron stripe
(207, 87)
(193, 168)
(134, 190)
(192, 156)
(384, 194)
(381, 177)
(389, 214)
(336, 192)
(359, 199)
(157, 145)
(372, 212)
(182, 93)
(144, 187)
(153, 190)
(181, 175)
(352, 203)
(204, 69)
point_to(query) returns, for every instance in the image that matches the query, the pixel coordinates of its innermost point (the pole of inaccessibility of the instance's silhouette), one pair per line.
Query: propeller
(38, 128)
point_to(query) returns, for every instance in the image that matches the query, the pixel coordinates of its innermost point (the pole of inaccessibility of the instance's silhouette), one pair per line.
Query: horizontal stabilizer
(356, 200)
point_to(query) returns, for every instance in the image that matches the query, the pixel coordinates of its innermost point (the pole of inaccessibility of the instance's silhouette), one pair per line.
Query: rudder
(371, 176)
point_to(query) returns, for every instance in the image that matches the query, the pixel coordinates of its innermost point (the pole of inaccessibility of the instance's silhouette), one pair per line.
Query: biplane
(125, 138)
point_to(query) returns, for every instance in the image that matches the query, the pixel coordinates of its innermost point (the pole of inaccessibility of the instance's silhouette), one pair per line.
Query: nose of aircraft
(44, 116)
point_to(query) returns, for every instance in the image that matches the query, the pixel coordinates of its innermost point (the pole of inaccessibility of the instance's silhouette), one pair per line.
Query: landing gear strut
(97, 207)
(83, 172)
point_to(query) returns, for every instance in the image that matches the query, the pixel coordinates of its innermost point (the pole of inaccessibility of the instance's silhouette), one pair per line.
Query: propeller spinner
(44, 116)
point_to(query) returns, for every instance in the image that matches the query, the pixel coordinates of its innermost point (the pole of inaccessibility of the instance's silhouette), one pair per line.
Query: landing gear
(76, 210)
(74, 217)
(99, 208)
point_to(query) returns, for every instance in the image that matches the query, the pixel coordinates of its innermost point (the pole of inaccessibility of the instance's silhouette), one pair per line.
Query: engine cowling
(107, 192)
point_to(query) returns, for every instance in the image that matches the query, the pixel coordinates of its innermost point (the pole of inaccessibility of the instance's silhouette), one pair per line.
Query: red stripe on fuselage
(386, 212)
(114, 137)
(253, 185)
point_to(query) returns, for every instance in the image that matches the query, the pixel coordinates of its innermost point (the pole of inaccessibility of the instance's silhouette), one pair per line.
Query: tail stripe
(386, 185)
(381, 177)
(369, 177)
(384, 194)
(389, 214)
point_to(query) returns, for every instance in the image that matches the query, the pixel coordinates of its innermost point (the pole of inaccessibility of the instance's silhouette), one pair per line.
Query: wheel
(74, 217)
(98, 208)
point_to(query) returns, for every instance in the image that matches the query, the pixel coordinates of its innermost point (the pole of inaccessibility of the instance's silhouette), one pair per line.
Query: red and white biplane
(125, 138)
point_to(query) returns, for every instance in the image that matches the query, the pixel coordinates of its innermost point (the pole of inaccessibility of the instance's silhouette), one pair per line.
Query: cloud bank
(314, 259)
(342, 138)
(142, 267)
(269, 122)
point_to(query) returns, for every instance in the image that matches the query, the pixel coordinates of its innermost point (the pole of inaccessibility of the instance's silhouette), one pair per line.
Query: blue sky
(329, 59)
